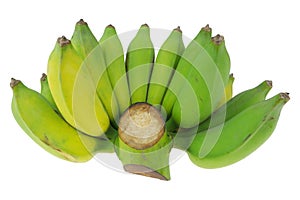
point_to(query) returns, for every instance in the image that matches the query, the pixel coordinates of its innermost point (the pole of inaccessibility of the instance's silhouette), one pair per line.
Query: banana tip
(81, 22)
(285, 96)
(218, 39)
(44, 77)
(206, 28)
(178, 29)
(110, 26)
(269, 83)
(63, 41)
(14, 82)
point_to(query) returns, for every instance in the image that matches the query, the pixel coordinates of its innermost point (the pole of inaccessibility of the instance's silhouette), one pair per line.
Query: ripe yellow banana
(73, 90)
(139, 62)
(37, 118)
(164, 66)
(114, 58)
(86, 45)
(241, 135)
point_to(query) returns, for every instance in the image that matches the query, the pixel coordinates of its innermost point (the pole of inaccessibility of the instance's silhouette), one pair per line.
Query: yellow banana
(73, 90)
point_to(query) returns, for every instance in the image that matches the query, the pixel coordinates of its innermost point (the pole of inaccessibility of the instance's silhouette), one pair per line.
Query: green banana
(236, 105)
(164, 66)
(86, 45)
(205, 66)
(240, 135)
(178, 79)
(114, 58)
(45, 91)
(139, 61)
(37, 118)
(74, 91)
(227, 92)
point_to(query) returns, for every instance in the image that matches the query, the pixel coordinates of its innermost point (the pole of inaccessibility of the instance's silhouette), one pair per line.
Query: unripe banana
(45, 91)
(87, 47)
(241, 135)
(236, 105)
(183, 67)
(206, 69)
(165, 64)
(139, 61)
(38, 119)
(114, 58)
(73, 90)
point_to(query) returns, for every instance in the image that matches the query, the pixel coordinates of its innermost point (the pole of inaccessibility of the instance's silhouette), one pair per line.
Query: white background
(262, 38)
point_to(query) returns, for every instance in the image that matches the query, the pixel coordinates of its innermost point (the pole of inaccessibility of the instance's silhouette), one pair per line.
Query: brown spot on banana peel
(65, 155)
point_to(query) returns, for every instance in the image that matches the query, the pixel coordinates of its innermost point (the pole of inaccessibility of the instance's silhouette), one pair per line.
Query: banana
(227, 92)
(114, 58)
(205, 66)
(73, 90)
(86, 45)
(139, 61)
(165, 64)
(240, 135)
(178, 79)
(237, 104)
(45, 91)
(37, 118)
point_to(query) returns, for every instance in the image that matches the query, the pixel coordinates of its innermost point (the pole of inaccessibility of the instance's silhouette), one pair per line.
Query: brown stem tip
(63, 41)
(206, 28)
(218, 39)
(14, 82)
(269, 83)
(178, 29)
(81, 22)
(44, 77)
(145, 25)
(110, 26)
(285, 96)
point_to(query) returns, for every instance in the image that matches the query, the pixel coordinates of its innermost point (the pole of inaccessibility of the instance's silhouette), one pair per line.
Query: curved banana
(183, 66)
(164, 66)
(236, 105)
(38, 119)
(139, 62)
(45, 91)
(205, 65)
(114, 58)
(74, 91)
(86, 45)
(240, 135)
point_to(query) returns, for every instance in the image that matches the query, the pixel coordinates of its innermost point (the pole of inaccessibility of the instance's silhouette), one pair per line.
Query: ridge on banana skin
(238, 137)
(36, 117)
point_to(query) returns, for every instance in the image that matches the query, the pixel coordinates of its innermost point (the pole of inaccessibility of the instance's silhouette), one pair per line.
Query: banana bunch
(96, 98)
